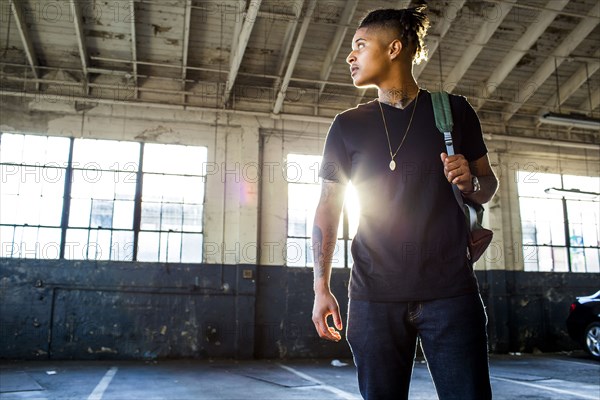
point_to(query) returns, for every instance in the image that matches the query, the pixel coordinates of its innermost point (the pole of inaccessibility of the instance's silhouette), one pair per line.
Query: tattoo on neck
(399, 98)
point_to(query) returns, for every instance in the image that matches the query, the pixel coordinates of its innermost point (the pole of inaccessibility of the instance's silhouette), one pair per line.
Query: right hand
(326, 305)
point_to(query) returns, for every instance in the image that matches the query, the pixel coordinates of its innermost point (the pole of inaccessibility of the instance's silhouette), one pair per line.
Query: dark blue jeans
(383, 338)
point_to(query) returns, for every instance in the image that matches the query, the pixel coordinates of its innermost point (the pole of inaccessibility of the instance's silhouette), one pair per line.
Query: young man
(411, 275)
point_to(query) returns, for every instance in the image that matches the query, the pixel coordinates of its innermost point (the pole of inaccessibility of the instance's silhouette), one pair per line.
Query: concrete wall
(99, 310)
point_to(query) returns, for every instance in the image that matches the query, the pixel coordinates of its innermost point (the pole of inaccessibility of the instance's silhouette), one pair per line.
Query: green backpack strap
(444, 123)
(443, 118)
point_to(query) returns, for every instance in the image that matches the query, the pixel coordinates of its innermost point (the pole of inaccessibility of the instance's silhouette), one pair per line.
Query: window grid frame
(137, 200)
(567, 238)
(345, 232)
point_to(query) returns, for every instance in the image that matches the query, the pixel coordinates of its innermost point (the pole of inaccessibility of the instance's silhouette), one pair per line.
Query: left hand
(457, 171)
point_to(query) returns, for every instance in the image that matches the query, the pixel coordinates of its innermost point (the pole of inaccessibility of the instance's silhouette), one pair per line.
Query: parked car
(583, 323)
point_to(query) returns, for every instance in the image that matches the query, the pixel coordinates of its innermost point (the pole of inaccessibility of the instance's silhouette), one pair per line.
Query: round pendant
(392, 165)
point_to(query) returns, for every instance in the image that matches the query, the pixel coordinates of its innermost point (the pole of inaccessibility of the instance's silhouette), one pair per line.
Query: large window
(560, 220)
(303, 196)
(33, 171)
(100, 199)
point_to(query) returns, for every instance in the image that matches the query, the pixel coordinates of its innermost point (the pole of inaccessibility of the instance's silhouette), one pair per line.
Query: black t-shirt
(412, 236)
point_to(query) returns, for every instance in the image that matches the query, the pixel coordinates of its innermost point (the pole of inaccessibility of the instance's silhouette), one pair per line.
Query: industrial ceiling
(515, 61)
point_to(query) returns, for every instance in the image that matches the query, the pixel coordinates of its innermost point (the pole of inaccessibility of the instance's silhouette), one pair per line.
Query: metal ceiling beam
(78, 22)
(310, 8)
(520, 48)
(133, 47)
(24, 33)
(402, 4)
(582, 74)
(570, 43)
(186, 40)
(242, 43)
(336, 43)
(432, 42)
(240, 10)
(287, 45)
(484, 34)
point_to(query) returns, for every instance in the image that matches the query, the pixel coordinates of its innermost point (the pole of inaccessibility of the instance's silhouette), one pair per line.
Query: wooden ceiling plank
(560, 54)
(336, 43)
(186, 42)
(25, 39)
(242, 43)
(580, 76)
(310, 8)
(432, 42)
(487, 29)
(520, 48)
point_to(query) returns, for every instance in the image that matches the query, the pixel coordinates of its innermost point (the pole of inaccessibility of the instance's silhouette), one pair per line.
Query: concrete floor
(543, 377)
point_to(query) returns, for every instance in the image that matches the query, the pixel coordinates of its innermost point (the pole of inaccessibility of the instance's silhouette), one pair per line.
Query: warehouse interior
(159, 164)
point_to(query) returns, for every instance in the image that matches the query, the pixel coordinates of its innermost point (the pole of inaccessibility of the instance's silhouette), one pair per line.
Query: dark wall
(83, 309)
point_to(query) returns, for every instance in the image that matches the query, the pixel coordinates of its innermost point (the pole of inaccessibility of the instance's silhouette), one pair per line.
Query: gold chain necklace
(392, 162)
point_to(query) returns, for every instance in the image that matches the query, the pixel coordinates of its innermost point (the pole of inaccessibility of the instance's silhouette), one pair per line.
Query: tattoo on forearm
(317, 239)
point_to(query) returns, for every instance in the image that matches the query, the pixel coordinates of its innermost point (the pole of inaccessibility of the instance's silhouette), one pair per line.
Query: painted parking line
(103, 384)
(571, 393)
(340, 393)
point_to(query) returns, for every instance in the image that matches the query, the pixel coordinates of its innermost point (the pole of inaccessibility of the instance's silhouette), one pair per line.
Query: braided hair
(410, 25)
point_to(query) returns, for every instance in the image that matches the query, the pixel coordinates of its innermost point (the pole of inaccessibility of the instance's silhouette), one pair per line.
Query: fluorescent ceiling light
(572, 193)
(575, 121)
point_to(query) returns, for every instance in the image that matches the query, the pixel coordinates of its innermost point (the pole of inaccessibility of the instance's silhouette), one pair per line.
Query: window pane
(79, 215)
(150, 216)
(530, 258)
(148, 246)
(76, 244)
(192, 218)
(99, 245)
(11, 148)
(11, 178)
(191, 248)
(7, 247)
(545, 262)
(122, 246)
(173, 188)
(51, 212)
(302, 204)
(584, 221)
(592, 260)
(338, 255)
(53, 182)
(583, 183)
(33, 242)
(533, 183)
(172, 217)
(102, 212)
(296, 252)
(29, 210)
(542, 221)
(49, 242)
(577, 260)
(93, 184)
(170, 247)
(174, 159)
(301, 168)
(125, 185)
(123, 215)
(106, 154)
(8, 209)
